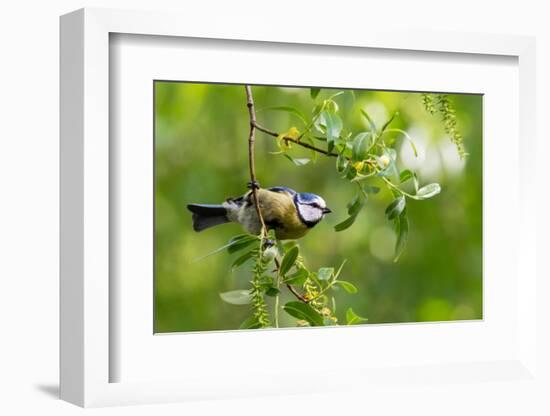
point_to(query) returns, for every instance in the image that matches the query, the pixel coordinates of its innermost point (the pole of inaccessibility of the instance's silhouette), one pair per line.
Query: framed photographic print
(362, 155)
(218, 194)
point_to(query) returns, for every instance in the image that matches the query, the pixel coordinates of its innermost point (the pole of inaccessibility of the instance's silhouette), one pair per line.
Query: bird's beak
(327, 210)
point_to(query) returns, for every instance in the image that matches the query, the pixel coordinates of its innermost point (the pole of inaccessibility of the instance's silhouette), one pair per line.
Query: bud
(384, 161)
(270, 253)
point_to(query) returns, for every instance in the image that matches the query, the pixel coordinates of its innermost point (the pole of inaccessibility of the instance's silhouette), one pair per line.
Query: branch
(252, 167)
(251, 140)
(293, 291)
(288, 285)
(297, 141)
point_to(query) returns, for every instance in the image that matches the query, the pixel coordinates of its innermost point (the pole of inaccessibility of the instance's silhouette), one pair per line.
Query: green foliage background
(201, 133)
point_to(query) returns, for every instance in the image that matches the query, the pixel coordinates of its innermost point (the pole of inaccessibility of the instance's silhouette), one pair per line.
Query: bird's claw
(253, 185)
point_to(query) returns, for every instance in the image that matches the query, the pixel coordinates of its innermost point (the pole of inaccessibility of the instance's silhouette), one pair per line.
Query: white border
(136, 61)
(85, 202)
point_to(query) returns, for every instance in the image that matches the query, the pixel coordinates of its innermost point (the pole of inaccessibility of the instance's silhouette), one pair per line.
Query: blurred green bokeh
(201, 133)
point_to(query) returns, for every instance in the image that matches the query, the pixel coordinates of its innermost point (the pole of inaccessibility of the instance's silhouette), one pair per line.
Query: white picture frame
(86, 353)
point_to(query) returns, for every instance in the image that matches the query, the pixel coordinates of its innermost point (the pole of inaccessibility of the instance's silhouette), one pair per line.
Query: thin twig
(297, 141)
(251, 140)
(253, 181)
(292, 290)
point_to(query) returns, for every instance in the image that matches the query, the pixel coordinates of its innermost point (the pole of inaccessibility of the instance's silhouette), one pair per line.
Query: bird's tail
(206, 216)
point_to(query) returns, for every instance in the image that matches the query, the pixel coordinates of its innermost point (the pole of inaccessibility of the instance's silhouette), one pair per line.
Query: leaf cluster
(317, 305)
(367, 159)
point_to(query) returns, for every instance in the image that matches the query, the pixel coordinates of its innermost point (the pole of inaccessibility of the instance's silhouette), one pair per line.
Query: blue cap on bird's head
(313, 200)
(311, 208)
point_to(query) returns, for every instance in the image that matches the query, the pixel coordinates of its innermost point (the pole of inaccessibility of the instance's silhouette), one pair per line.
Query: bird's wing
(283, 189)
(277, 206)
(238, 200)
(279, 212)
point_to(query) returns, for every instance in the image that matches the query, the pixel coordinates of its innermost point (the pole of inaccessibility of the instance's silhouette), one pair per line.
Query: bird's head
(311, 208)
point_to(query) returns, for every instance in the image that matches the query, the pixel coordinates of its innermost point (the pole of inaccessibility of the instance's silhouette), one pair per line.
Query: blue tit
(289, 213)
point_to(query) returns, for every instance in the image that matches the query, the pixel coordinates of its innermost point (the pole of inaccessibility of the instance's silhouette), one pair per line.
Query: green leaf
(428, 191)
(341, 163)
(402, 229)
(299, 161)
(355, 205)
(353, 210)
(348, 222)
(405, 175)
(239, 261)
(325, 273)
(348, 287)
(288, 260)
(297, 278)
(313, 276)
(290, 110)
(240, 244)
(387, 123)
(361, 144)
(241, 238)
(287, 245)
(351, 172)
(371, 122)
(303, 311)
(314, 92)
(272, 291)
(237, 297)
(352, 318)
(250, 323)
(333, 125)
(396, 207)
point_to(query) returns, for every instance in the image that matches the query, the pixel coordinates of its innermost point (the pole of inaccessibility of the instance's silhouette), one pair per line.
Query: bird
(291, 214)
